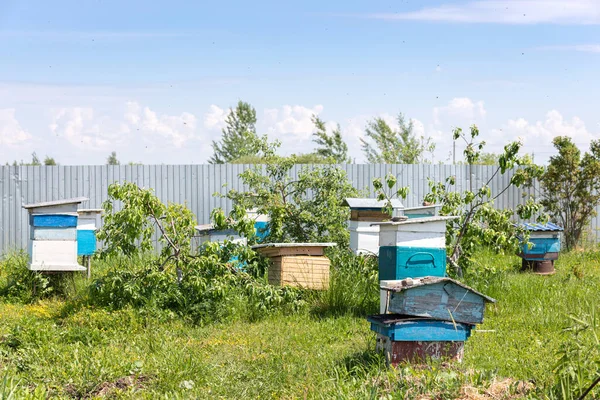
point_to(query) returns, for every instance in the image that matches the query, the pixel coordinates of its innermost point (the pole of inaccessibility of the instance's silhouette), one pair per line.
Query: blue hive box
(545, 240)
(397, 263)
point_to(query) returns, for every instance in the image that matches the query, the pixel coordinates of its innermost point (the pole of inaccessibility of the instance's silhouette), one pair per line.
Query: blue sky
(153, 80)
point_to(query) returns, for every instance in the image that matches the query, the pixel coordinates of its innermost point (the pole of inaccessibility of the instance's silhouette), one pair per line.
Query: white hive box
(417, 232)
(53, 235)
(207, 233)
(364, 238)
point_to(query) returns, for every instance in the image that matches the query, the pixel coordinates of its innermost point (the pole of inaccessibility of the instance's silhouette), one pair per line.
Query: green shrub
(18, 283)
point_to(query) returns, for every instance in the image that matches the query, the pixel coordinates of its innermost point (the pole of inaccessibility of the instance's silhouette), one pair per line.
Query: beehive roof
(411, 283)
(75, 200)
(357, 203)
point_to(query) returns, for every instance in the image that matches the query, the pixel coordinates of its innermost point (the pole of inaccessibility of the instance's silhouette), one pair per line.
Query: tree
(112, 159)
(330, 146)
(49, 161)
(571, 187)
(35, 160)
(479, 223)
(303, 158)
(305, 209)
(488, 159)
(394, 147)
(239, 136)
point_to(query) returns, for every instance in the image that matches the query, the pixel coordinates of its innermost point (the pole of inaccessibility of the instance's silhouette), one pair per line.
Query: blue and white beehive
(545, 247)
(364, 236)
(208, 233)
(88, 222)
(261, 224)
(412, 248)
(53, 235)
(545, 240)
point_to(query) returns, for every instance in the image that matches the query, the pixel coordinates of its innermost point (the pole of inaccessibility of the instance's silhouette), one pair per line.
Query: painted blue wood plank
(53, 233)
(86, 242)
(542, 246)
(444, 301)
(54, 220)
(410, 262)
(423, 330)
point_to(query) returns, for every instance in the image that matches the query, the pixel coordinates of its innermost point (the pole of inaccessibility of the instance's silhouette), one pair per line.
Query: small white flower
(186, 385)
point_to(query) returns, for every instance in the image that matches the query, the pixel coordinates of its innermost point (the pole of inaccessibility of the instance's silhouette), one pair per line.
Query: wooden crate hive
(53, 235)
(297, 264)
(364, 238)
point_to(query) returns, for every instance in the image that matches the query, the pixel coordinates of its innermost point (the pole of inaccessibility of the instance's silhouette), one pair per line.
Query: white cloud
(460, 111)
(542, 132)
(438, 69)
(84, 127)
(294, 120)
(11, 131)
(214, 119)
(575, 12)
(177, 129)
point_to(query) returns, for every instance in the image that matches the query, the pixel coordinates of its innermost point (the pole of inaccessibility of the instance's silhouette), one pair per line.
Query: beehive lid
(44, 204)
(90, 210)
(280, 245)
(411, 283)
(369, 204)
(548, 227)
(417, 220)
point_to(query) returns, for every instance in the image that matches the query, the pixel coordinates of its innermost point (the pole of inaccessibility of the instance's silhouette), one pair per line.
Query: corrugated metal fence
(195, 185)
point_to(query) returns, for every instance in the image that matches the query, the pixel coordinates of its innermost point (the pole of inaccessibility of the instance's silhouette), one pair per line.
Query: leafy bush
(18, 283)
(209, 287)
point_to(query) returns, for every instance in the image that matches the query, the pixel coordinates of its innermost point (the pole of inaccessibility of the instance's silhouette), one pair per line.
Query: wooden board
(51, 233)
(423, 330)
(444, 301)
(368, 215)
(54, 255)
(291, 251)
(86, 242)
(310, 272)
(54, 220)
(419, 351)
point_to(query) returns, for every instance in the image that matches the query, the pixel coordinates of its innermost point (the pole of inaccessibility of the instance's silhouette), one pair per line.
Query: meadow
(540, 340)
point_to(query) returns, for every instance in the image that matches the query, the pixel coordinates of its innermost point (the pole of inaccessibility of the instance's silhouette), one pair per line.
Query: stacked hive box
(87, 222)
(422, 313)
(53, 235)
(297, 264)
(364, 237)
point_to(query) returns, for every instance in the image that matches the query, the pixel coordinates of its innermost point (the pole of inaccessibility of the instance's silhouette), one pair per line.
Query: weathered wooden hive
(53, 235)
(88, 222)
(297, 264)
(423, 314)
(438, 298)
(412, 248)
(364, 237)
(545, 247)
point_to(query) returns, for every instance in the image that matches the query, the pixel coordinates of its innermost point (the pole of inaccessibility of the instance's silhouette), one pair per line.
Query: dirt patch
(505, 389)
(106, 388)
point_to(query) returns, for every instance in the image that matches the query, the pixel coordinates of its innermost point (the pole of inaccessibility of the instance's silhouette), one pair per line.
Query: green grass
(65, 349)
